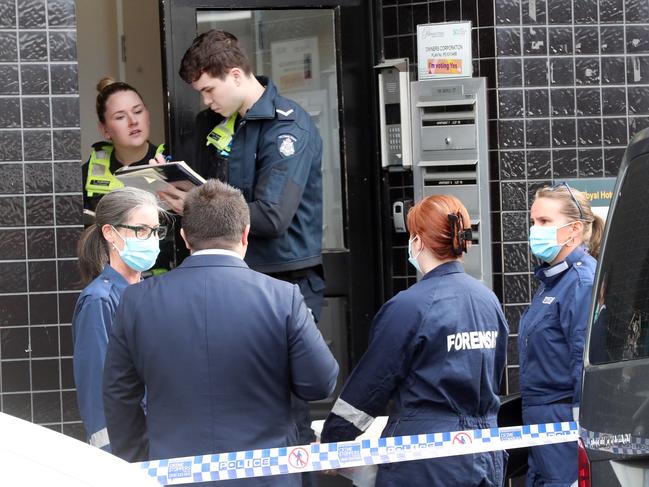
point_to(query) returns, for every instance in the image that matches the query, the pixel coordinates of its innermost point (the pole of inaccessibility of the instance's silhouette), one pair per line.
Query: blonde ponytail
(595, 240)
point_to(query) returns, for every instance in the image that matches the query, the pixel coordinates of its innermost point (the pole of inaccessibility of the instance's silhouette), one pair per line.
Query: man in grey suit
(218, 347)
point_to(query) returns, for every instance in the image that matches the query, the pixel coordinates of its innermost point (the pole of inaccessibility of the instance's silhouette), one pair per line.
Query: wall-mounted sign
(599, 192)
(295, 64)
(444, 50)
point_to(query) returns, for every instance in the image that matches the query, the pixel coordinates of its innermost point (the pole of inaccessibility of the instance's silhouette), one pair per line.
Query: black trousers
(311, 284)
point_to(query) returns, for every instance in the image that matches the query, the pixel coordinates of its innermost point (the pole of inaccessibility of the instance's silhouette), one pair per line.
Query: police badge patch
(286, 144)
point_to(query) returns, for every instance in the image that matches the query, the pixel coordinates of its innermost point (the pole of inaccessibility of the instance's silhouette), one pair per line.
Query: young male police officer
(268, 147)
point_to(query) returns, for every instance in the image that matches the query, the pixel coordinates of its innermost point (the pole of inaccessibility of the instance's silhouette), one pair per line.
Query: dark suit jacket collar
(213, 260)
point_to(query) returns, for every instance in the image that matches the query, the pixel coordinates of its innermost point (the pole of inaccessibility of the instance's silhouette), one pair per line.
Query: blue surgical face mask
(411, 258)
(139, 255)
(543, 242)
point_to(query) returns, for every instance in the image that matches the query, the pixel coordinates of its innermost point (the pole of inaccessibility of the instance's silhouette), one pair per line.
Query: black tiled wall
(40, 210)
(568, 85)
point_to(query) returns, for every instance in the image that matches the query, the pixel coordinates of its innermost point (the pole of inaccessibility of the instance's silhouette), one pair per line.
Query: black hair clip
(465, 236)
(459, 233)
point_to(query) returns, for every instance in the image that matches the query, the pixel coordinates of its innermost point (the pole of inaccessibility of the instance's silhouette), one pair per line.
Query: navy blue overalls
(551, 344)
(437, 350)
(91, 325)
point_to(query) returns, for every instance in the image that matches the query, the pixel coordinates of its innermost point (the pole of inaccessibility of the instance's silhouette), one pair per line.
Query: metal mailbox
(450, 155)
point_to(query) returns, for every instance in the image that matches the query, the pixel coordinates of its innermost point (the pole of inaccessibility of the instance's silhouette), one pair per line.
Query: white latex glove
(364, 476)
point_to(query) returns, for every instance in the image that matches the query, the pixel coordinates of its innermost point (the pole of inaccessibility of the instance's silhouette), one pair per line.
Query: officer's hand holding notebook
(169, 180)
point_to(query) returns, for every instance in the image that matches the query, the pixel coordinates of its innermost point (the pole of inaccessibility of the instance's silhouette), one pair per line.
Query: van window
(620, 325)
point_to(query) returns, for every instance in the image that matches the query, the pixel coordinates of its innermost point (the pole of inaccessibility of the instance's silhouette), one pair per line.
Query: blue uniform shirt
(91, 325)
(275, 160)
(439, 347)
(552, 331)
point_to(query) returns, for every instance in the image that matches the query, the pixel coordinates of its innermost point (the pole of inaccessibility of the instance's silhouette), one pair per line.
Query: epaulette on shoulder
(99, 288)
(584, 273)
(285, 113)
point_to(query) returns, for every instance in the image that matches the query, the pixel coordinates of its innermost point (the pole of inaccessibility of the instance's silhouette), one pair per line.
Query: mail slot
(447, 127)
(450, 155)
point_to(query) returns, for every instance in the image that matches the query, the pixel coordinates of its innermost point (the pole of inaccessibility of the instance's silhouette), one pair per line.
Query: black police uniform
(283, 187)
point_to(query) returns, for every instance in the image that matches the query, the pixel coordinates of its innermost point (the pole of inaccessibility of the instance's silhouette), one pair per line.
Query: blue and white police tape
(621, 444)
(328, 456)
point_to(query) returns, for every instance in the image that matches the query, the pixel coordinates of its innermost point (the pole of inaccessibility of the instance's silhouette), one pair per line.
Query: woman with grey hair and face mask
(113, 253)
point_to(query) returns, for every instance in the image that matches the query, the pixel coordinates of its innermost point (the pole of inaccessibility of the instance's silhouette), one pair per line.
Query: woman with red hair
(437, 352)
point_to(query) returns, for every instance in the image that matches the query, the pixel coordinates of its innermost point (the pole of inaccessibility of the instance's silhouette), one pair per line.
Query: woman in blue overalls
(112, 254)
(565, 235)
(437, 351)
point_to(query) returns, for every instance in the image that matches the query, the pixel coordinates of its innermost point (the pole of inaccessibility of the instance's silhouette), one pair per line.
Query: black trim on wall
(362, 172)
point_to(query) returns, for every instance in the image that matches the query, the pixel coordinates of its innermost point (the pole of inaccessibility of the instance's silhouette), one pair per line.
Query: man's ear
(237, 75)
(182, 234)
(244, 236)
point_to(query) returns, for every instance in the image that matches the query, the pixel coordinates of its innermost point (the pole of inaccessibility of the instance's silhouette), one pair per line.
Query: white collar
(556, 269)
(217, 252)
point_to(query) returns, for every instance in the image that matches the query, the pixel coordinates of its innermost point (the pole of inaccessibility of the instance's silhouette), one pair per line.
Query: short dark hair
(214, 52)
(214, 216)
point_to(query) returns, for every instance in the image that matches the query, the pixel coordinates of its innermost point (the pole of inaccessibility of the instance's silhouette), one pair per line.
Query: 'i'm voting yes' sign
(444, 50)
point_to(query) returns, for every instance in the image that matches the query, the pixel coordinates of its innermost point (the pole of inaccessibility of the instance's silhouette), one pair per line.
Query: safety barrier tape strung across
(328, 456)
(621, 444)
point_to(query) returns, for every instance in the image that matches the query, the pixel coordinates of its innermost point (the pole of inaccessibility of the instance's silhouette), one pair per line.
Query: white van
(33, 455)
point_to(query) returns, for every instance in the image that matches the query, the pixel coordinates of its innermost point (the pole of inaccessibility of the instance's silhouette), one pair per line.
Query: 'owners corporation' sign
(444, 50)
